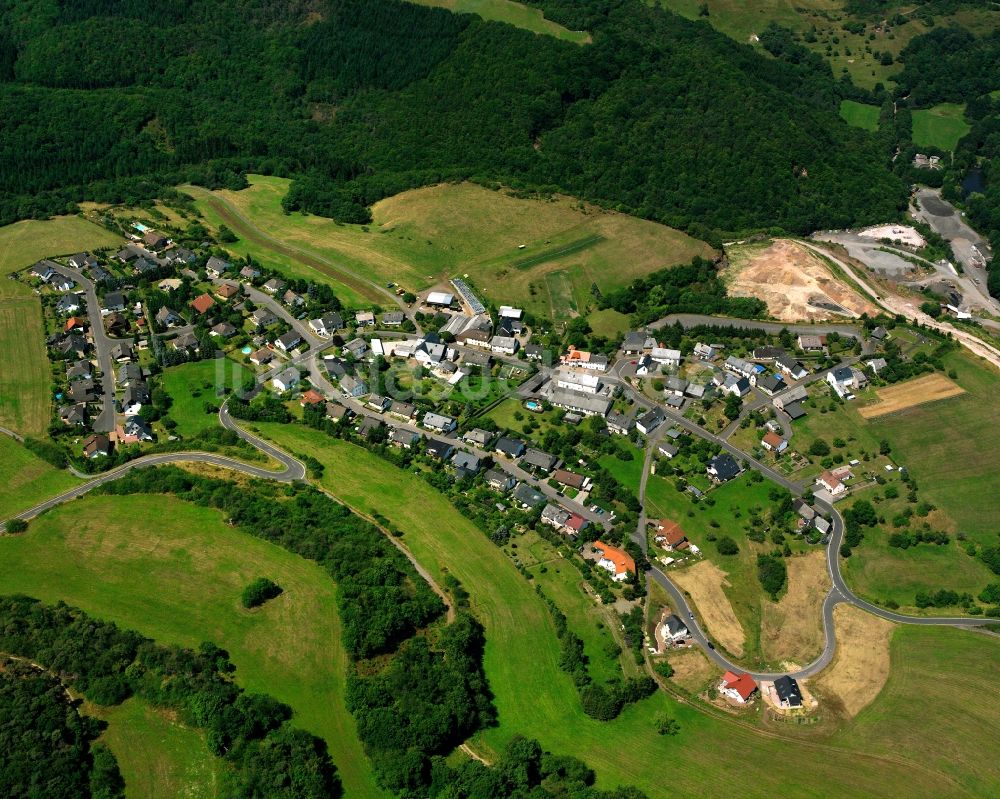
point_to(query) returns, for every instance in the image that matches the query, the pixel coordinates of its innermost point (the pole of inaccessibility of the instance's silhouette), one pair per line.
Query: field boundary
(560, 252)
(910, 394)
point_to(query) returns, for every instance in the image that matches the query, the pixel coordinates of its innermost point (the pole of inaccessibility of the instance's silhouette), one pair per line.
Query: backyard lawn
(195, 385)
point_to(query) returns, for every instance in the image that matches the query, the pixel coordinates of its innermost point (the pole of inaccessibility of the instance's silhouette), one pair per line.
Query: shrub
(259, 591)
(726, 546)
(16, 526)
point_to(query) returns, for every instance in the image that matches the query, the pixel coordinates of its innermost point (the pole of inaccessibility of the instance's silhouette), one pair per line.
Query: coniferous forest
(359, 99)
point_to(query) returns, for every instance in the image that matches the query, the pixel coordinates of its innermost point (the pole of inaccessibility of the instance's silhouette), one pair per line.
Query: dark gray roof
(511, 447)
(724, 466)
(526, 495)
(788, 691)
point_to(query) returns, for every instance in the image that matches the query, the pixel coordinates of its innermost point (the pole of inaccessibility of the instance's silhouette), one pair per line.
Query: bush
(819, 447)
(664, 669)
(259, 591)
(727, 546)
(16, 526)
(772, 573)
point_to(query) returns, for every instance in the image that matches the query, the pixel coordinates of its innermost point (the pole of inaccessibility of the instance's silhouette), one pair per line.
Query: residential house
(74, 415)
(182, 255)
(438, 449)
(619, 423)
(292, 299)
(880, 334)
(288, 341)
(665, 357)
(82, 260)
(226, 291)
(154, 240)
(787, 690)
(83, 391)
(510, 447)
(370, 426)
(736, 385)
(286, 380)
(261, 357)
(772, 442)
(378, 403)
(475, 337)
(767, 353)
(637, 342)
(571, 479)
(249, 273)
(311, 397)
(115, 323)
(704, 352)
(128, 374)
(695, 391)
(499, 480)
(223, 330)
(438, 423)
(572, 380)
(364, 319)
(327, 324)
(575, 525)
(186, 341)
(675, 385)
(811, 343)
(353, 386)
(534, 352)
(356, 347)
(480, 360)
(644, 365)
(144, 267)
(844, 380)
(650, 420)
(274, 285)
(400, 437)
(81, 370)
(127, 254)
(216, 267)
(771, 384)
(262, 317)
(537, 459)
(136, 395)
(740, 367)
(203, 303)
(673, 629)
(670, 536)
(576, 401)
(466, 462)
(877, 365)
(527, 497)
(803, 509)
(97, 445)
(335, 411)
(667, 450)
(73, 345)
(581, 359)
(796, 394)
(738, 687)
(393, 319)
(478, 438)
(723, 468)
(791, 367)
(554, 516)
(43, 271)
(167, 318)
(61, 281)
(68, 303)
(830, 482)
(503, 345)
(615, 561)
(402, 410)
(122, 351)
(794, 410)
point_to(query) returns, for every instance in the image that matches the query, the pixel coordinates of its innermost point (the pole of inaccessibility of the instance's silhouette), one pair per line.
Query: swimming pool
(247, 350)
(533, 405)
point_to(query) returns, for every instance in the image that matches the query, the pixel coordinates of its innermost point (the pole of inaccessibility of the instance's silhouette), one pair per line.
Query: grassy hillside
(860, 115)
(179, 581)
(516, 14)
(26, 480)
(193, 385)
(423, 237)
(941, 126)
(535, 698)
(24, 371)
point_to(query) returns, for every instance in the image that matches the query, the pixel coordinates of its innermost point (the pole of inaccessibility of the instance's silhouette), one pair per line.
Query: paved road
(105, 421)
(689, 320)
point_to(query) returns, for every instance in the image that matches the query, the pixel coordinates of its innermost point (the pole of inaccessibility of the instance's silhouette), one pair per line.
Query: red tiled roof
(312, 397)
(622, 560)
(772, 439)
(671, 531)
(202, 303)
(576, 522)
(743, 684)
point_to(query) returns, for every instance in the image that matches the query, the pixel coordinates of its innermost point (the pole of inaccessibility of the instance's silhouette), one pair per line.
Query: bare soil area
(692, 670)
(704, 582)
(792, 629)
(861, 665)
(928, 388)
(794, 282)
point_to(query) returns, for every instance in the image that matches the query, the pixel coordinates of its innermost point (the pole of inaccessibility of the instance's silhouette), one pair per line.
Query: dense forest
(46, 746)
(108, 665)
(359, 99)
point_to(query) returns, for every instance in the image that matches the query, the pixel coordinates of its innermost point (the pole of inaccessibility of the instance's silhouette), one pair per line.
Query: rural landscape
(475, 398)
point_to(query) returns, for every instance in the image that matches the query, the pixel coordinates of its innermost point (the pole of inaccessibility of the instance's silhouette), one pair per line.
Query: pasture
(941, 126)
(159, 756)
(178, 581)
(860, 115)
(534, 697)
(26, 480)
(423, 237)
(194, 386)
(516, 14)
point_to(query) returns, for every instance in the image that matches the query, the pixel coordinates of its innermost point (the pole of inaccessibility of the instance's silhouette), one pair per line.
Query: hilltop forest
(115, 100)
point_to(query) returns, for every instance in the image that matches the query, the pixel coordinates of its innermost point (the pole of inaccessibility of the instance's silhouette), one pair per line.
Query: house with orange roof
(738, 687)
(615, 561)
(75, 323)
(312, 397)
(581, 359)
(772, 442)
(831, 483)
(226, 291)
(203, 303)
(670, 536)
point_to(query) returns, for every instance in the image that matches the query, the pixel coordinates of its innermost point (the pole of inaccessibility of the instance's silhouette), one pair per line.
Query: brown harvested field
(861, 666)
(918, 391)
(795, 283)
(792, 628)
(704, 582)
(692, 670)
